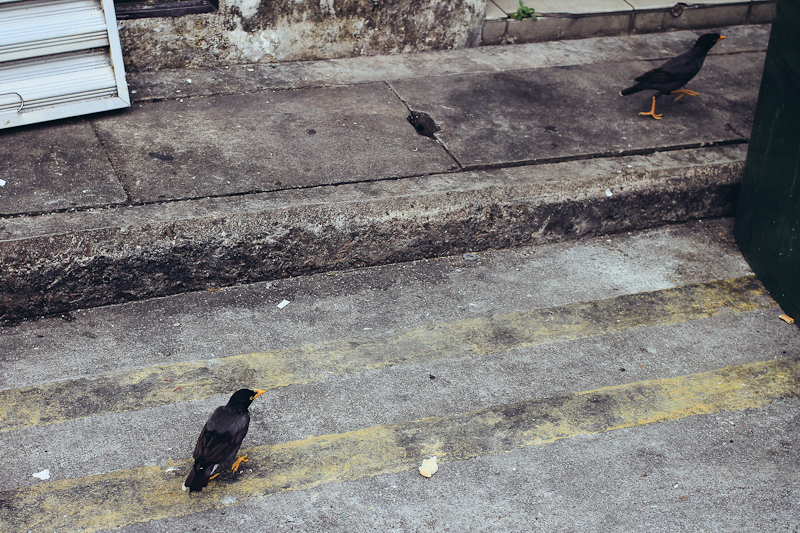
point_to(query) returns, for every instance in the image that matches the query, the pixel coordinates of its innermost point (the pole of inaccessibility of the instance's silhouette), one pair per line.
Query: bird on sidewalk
(675, 73)
(220, 440)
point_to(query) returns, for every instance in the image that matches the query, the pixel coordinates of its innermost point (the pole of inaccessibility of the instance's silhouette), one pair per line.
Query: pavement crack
(429, 126)
(116, 171)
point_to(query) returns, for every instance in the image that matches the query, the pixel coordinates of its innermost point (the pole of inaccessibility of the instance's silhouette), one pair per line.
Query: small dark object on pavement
(423, 123)
(675, 73)
(220, 440)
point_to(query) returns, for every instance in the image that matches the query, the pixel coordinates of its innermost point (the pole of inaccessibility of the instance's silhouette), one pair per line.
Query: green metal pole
(767, 227)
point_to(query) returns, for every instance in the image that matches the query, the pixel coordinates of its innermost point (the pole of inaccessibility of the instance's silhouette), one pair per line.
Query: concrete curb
(67, 261)
(499, 28)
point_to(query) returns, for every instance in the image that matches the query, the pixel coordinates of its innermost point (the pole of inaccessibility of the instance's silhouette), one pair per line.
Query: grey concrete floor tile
(557, 27)
(687, 19)
(266, 141)
(493, 12)
(509, 117)
(567, 6)
(55, 166)
(667, 4)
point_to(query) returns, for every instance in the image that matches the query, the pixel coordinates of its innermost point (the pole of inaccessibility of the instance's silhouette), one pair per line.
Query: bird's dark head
(244, 397)
(708, 40)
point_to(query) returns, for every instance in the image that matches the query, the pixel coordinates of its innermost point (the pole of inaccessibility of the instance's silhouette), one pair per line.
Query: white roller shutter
(58, 58)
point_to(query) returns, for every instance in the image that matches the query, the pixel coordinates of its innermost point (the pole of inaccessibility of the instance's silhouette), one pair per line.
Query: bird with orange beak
(675, 73)
(220, 440)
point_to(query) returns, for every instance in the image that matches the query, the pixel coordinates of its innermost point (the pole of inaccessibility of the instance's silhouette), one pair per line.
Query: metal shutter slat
(72, 79)
(58, 58)
(35, 28)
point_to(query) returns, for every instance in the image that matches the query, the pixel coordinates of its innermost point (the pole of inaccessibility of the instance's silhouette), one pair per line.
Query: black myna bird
(220, 440)
(675, 73)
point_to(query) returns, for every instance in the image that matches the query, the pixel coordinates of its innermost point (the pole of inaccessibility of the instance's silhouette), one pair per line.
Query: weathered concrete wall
(251, 31)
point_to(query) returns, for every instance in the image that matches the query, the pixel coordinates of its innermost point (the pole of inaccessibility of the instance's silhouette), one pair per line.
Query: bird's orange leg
(684, 92)
(238, 462)
(652, 112)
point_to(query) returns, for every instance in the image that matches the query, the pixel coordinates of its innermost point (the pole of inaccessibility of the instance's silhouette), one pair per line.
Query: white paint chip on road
(44, 474)
(283, 304)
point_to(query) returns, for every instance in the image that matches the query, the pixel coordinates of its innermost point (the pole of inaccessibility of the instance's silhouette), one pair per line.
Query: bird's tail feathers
(630, 90)
(198, 478)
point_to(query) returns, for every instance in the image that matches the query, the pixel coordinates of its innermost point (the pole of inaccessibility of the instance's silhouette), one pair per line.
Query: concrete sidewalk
(240, 174)
(634, 382)
(550, 300)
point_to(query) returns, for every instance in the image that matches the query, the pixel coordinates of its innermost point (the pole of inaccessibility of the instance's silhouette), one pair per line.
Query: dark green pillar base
(767, 225)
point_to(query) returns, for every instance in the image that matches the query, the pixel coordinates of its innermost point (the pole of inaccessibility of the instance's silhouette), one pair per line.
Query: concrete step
(603, 384)
(260, 173)
(576, 19)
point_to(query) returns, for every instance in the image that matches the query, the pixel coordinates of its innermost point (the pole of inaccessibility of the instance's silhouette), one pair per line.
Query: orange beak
(721, 37)
(257, 394)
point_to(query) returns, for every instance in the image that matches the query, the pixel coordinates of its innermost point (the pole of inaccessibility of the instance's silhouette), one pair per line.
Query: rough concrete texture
(647, 18)
(563, 112)
(249, 31)
(238, 188)
(523, 205)
(55, 167)
(240, 79)
(731, 470)
(265, 141)
(244, 319)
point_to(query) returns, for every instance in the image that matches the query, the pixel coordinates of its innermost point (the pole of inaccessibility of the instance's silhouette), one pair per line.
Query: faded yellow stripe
(130, 390)
(127, 497)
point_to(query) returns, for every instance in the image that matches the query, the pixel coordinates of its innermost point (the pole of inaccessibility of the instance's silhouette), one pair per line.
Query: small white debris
(44, 474)
(283, 304)
(188, 80)
(429, 467)
(2, 183)
(251, 70)
(608, 193)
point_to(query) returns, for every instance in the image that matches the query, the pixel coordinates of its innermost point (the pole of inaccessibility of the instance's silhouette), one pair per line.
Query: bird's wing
(662, 75)
(683, 67)
(222, 434)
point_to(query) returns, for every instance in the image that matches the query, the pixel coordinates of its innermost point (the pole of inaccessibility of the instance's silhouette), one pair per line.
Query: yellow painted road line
(137, 495)
(130, 390)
